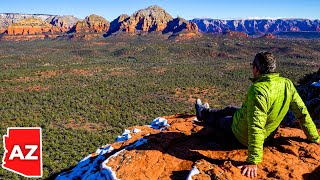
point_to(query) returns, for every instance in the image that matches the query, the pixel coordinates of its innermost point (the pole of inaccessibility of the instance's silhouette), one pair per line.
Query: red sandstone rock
(29, 26)
(268, 36)
(192, 27)
(25, 37)
(63, 24)
(172, 153)
(3, 30)
(92, 24)
(236, 34)
(153, 18)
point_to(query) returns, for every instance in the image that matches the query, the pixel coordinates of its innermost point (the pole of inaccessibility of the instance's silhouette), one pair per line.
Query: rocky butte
(152, 19)
(92, 24)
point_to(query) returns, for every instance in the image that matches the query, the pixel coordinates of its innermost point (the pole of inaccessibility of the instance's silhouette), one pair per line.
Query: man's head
(263, 63)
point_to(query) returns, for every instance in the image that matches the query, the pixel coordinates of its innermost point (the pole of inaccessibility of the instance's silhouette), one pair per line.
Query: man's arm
(300, 111)
(257, 118)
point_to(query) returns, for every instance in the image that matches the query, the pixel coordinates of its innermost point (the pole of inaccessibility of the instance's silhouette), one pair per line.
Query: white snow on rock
(108, 170)
(94, 165)
(317, 84)
(109, 174)
(102, 150)
(135, 130)
(159, 123)
(193, 172)
(125, 136)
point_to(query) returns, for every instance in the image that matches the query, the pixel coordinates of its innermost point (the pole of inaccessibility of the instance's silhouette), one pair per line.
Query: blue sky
(188, 9)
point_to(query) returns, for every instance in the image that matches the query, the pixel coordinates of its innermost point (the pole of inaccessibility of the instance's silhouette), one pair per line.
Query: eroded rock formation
(63, 23)
(29, 26)
(115, 24)
(92, 24)
(153, 18)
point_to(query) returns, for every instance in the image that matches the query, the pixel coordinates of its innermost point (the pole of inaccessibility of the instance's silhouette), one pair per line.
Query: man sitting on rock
(268, 100)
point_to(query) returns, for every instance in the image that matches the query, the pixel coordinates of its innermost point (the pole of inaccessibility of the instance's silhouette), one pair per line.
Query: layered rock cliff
(63, 23)
(92, 24)
(153, 18)
(257, 27)
(115, 24)
(179, 24)
(7, 19)
(29, 26)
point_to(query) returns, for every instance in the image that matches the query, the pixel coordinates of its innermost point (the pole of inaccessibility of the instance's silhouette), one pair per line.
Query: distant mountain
(7, 19)
(154, 18)
(257, 27)
(15, 26)
(151, 19)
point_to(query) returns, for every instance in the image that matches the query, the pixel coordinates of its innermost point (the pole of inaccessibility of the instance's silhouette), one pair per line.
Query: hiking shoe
(198, 105)
(206, 105)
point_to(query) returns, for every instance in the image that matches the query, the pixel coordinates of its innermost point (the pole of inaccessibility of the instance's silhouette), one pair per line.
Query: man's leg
(219, 118)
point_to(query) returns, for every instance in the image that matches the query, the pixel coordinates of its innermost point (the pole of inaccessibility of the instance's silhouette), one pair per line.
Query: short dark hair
(265, 62)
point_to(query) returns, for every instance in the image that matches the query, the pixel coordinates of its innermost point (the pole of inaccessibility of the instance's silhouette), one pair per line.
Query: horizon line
(196, 18)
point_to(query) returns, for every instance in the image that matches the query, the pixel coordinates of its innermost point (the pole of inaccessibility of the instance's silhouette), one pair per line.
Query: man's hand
(249, 170)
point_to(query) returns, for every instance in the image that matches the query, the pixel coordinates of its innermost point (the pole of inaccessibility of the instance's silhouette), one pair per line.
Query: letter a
(16, 152)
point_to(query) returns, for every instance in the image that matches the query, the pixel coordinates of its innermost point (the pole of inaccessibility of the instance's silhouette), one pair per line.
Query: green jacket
(268, 101)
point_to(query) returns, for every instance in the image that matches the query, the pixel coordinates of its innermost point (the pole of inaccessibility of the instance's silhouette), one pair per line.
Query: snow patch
(135, 130)
(101, 151)
(193, 172)
(109, 174)
(125, 136)
(95, 167)
(159, 123)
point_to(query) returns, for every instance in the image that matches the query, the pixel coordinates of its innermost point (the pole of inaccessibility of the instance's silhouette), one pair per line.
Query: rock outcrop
(257, 27)
(29, 26)
(6, 19)
(3, 30)
(172, 151)
(153, 18)
(63, 24)
(179, 24)
(268, 36)
(115, 24)
(235, 34)
(92, 24)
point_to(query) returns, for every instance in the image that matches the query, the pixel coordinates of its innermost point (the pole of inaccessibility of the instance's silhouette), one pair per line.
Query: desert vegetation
(84, 93)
